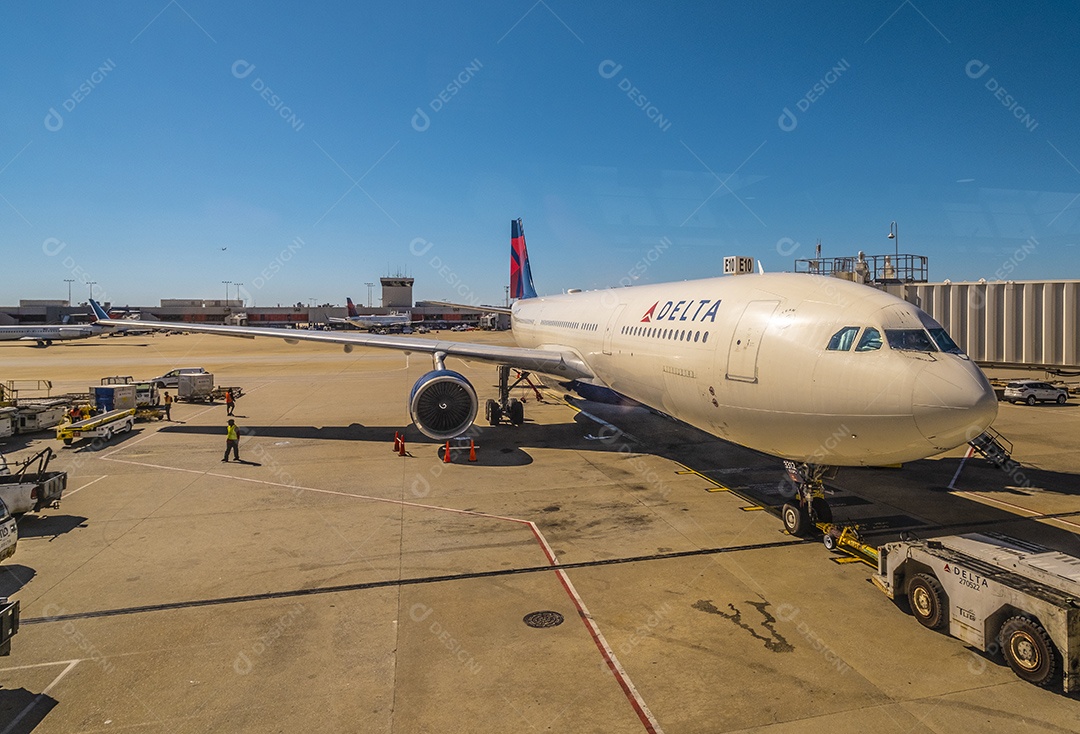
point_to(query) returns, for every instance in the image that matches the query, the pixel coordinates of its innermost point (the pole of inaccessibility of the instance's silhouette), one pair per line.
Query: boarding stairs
(994, 447)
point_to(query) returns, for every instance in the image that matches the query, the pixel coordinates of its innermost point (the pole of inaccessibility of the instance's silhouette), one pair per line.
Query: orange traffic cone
(397, 440)
(401, 446)
(446, 453)
(472, 450)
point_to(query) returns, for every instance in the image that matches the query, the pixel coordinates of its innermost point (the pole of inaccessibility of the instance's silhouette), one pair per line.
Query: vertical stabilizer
(351, 307)
(521, 281)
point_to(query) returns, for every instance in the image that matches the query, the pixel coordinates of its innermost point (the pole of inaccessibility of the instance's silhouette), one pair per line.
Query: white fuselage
(58, 332)
(746, 358)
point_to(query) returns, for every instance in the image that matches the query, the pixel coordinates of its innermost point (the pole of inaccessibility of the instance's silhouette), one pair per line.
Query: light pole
(369, 287)
(238, 292)
(227, 283)
(91, 283)
(894, 234)
(69, 281)
(507, 289)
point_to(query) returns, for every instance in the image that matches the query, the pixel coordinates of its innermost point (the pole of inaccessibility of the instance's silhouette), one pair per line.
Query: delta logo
(704, 309)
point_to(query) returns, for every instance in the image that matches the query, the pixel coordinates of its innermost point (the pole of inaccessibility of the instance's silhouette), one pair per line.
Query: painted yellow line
(751, 508)
(853, 559)
(719, 488)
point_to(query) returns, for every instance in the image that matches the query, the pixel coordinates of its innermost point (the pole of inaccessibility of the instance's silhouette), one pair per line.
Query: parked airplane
(815, 370)
(44, 335)
(374, 322)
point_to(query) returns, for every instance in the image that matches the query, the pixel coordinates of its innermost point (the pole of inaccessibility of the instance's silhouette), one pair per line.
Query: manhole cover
(543, 619)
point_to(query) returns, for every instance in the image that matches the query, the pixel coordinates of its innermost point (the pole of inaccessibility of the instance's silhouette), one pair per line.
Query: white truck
(41, 416)
(23, 490)
(9, 421)
(996, 593)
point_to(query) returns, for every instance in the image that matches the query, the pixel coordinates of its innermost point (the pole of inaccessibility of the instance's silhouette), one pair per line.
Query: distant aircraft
(818, 371)
(44, 335)
(374, 322)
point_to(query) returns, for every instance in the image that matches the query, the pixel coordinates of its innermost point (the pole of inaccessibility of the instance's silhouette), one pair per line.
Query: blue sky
(325, 145)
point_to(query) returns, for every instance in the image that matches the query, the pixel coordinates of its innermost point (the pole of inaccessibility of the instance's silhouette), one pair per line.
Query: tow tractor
(103, 426)
(997, 594)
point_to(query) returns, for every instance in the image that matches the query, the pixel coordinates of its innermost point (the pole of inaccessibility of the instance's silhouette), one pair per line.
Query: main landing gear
(506, 407)
(809, 506)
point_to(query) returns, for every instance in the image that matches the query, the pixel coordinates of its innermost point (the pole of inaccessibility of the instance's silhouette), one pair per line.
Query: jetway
(1032, 324)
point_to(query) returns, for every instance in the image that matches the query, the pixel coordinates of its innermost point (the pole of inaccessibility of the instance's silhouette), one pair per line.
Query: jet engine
(442, 404)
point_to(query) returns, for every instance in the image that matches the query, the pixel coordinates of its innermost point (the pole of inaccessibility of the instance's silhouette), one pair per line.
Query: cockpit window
(911, 340)
(871, 340)
(945, 342)
(842, 340)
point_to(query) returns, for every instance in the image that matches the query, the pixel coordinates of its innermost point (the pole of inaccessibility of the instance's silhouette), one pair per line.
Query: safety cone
(446, 453)
(472, 450)
(401, 446)
(397, 441)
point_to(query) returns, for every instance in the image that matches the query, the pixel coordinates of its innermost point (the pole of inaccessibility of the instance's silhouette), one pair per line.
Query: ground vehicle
(171, 378)
(113, 397)
(146, 395)
(103, 426)
(40, 416)
(26, 490)
(1034, 391)
(9, 532)
(996, 593)
(9, 421)
(195, 387)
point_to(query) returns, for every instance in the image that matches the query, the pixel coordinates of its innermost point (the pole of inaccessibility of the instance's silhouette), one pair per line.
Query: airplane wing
(561, 362)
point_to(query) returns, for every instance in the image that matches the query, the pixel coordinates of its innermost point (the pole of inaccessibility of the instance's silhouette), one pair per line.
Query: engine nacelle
(442, 404)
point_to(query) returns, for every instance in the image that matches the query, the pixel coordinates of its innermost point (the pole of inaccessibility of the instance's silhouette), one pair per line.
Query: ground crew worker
(230, 402)
(84, 411)
(168, 407)
(73, 414)
(232, 441)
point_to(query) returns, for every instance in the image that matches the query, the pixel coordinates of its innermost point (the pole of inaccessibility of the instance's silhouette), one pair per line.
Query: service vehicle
(103, 426)
(9, 532)
(9, 421)
(997, 594)
(30, 486)
(41, 416)
(172, 377)
(1035, 391)
(195, 387)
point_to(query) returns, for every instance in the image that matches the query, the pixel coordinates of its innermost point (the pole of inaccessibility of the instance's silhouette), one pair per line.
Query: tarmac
(326, 583)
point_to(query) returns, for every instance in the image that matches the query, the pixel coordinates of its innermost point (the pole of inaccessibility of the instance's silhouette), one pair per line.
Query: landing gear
(510, 408)
(809, 506)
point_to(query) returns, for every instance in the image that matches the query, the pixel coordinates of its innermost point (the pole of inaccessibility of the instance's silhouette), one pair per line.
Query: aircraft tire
(928, 601)
(796, 520)
(516, 412)
(822, 511)
(492, 412)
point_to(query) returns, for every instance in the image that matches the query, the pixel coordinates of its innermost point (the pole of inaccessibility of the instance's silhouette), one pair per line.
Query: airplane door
(745, 342)
(612, 324)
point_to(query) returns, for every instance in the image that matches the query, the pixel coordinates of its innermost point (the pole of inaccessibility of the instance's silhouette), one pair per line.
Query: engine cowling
(442, 404)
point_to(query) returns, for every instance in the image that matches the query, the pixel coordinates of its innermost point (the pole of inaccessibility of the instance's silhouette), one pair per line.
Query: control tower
(396, 292)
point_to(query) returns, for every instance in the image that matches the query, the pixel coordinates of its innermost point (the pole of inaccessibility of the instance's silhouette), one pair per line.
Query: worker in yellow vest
(232, 441)
(168, 406)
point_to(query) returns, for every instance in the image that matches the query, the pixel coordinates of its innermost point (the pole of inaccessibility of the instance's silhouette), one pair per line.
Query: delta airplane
(818, 371)
(374, 322)
(46, 334)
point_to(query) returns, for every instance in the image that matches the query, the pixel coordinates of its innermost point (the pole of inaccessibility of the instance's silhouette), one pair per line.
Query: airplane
(374, 322)
(44, 335)
(817, 371)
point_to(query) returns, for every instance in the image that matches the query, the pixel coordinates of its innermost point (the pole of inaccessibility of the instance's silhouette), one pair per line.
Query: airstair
(994, 447)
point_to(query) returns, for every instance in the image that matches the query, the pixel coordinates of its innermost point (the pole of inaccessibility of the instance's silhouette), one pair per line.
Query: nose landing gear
(809, 506)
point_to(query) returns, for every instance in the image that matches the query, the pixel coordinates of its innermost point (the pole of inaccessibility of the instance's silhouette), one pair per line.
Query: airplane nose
(952, 402)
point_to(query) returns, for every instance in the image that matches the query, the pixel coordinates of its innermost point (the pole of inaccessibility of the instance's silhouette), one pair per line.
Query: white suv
(1034, 391)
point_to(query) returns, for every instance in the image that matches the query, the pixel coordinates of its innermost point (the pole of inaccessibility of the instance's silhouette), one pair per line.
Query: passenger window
(842, 340)
(912, 340)
(871, 340)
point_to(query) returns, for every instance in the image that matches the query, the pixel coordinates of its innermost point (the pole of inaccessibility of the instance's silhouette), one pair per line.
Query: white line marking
(37, 699)
(85, 485)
